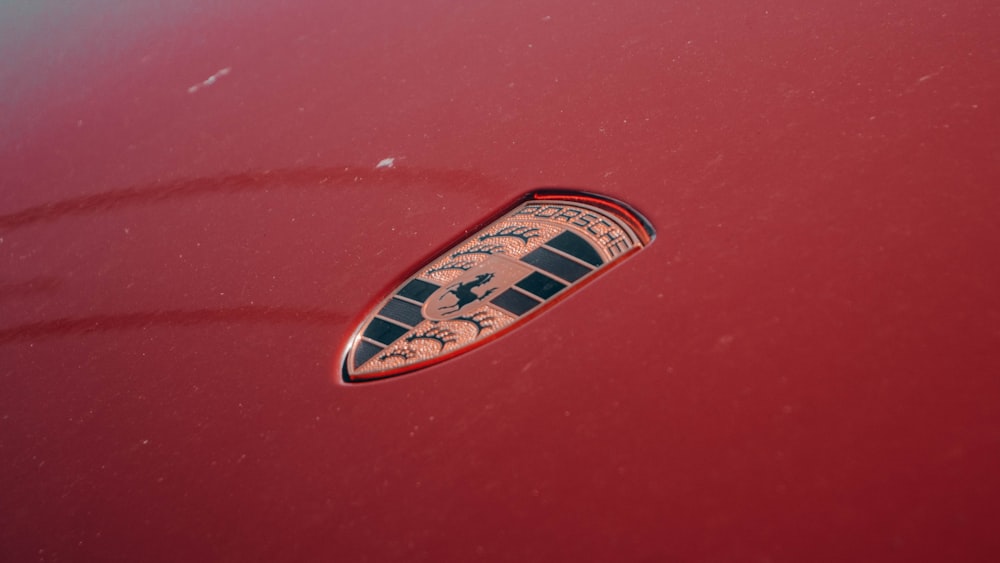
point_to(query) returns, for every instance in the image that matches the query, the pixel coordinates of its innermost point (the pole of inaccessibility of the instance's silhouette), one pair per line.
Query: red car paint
(804, 366)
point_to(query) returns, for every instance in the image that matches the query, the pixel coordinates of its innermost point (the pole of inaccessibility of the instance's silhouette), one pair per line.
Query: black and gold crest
(516, 266)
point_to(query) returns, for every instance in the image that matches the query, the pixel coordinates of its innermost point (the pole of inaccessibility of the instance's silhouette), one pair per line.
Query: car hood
(201, 202)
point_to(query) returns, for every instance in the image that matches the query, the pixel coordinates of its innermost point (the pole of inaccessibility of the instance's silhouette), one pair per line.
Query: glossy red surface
(803, 366)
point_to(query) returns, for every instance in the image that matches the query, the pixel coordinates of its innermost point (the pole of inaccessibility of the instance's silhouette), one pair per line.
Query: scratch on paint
(210, 80)
(927, 77)
(386, 163)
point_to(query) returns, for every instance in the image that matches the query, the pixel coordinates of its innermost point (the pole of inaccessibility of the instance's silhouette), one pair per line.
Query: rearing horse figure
(463, 292)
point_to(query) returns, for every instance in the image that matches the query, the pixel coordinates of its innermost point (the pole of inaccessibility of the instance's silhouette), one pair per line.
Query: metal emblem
(525, 260)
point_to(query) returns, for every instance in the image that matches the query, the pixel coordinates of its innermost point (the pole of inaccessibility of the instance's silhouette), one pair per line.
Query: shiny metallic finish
(540, 251)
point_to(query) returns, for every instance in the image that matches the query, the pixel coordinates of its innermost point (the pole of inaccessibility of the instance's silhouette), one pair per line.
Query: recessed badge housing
(540, 250)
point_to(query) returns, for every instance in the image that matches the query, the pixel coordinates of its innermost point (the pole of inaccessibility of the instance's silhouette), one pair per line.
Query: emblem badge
(536, 253)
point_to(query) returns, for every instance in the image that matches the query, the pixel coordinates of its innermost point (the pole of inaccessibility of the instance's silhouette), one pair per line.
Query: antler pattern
(463, 265)
(480, 249)
(515, 231)
(403, 353)
(442, 336)
(482, 320)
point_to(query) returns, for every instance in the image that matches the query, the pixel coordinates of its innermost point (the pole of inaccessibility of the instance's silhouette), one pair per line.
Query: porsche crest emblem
(529, 257)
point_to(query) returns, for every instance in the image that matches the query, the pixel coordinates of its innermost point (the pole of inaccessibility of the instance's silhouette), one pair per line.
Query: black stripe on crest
(384, 331)
(364, 352)
(541, 285)
(559, 266)
(418, 290)
(402, 311)
(574, 245)
(515, 302)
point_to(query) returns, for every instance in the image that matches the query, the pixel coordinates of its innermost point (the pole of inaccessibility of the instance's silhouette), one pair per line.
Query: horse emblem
(464, 294)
